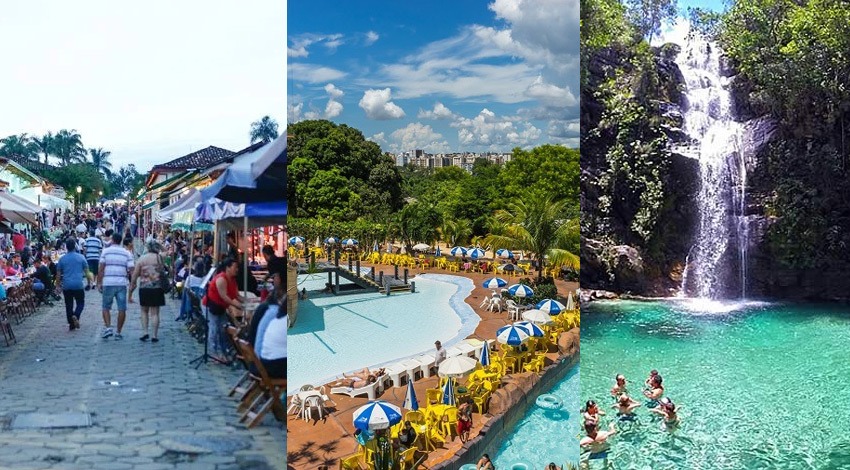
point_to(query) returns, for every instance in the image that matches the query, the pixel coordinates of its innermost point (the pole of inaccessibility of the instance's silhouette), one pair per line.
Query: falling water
(716, 143)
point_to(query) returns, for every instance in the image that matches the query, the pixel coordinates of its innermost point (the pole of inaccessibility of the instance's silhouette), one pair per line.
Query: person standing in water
(595, 443)
(655, 392)
(619, 387)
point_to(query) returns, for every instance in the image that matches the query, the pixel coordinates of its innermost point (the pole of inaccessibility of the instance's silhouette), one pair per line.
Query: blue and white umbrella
(520, 290)
(410, 402)
(485, 354)
(536, 316)
(504, 253)
(494, 283)
(438, 253)
(296, 240)
(475, 253)
(331, 240)
(349, 242)
(531, 328)
(552, 307)
(376, 415)
(449, 393)
(458, 251)
(512, 335)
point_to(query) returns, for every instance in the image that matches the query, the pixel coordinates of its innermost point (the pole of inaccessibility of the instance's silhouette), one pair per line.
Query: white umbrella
(457, 366)
(570, 304)
(536, 316)
(421, 247)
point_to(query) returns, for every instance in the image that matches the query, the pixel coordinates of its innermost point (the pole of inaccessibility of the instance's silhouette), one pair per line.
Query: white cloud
(293, 112)
(549, 95)
(299, 44)
(311, 115)
(493, 132)
(440, 111)
(371, 37)
(333, 92)
(378, 106)
(559, 129)
(379, 138)
(313, 73)
(418, 136)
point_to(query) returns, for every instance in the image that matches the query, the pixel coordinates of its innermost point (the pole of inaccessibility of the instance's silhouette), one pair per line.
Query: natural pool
(336, 334)
(545, 436)
(759, 385)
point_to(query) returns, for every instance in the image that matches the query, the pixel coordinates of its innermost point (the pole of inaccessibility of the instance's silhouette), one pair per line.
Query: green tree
(541, 226)
(100, 160)
(19, 146)
(417, 222)
(79, 174)
(127, 180)
(264, 130)
(647, 15)
(547, 170)
(45, 146)
(327, 195)
(68, 147)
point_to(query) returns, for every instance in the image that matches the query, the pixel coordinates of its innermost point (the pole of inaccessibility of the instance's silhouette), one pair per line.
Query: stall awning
(148, 205)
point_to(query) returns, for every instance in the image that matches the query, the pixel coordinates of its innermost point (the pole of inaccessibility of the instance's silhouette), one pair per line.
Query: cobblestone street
(149, 408)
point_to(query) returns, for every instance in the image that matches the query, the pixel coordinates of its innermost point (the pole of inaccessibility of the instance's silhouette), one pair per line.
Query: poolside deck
(316, 444)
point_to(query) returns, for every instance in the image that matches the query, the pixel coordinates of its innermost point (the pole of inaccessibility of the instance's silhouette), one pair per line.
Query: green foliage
(79, 174)
(603, 24)
(264, 130)
(367, 233)
(417, 222)
(126, 181)
(544, 171)
(647, 15)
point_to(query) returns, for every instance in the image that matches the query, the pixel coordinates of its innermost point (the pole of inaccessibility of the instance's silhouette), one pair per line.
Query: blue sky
(441, 75)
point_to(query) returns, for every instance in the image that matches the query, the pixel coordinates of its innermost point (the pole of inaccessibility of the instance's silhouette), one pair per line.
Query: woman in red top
(222, 293)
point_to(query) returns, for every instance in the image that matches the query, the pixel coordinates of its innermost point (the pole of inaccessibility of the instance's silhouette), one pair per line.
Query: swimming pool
(545, 436)
(759, 385)
(336, 334)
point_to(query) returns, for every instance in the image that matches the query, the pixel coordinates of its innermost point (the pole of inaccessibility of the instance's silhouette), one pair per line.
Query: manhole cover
(47, 421)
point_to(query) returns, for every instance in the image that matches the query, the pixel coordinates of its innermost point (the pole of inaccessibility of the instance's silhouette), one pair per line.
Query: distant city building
(465, 160)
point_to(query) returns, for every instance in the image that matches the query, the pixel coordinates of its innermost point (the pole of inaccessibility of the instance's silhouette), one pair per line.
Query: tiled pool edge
(491, 436)
(469, 320)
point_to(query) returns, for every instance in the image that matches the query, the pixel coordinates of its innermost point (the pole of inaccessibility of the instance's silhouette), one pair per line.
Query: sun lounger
(426, 363)
(395, 373)
(465, 349)
(370, 391)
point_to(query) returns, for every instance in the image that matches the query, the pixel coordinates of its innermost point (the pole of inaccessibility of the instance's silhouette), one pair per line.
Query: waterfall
(716, 142)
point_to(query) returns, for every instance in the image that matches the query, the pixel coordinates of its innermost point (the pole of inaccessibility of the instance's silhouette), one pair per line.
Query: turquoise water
(336, 334)
(545, 436)
(759, 385)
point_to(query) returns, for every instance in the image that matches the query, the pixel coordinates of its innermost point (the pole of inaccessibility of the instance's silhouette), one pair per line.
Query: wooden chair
(245, 384)
(6, 326)
(272, 389)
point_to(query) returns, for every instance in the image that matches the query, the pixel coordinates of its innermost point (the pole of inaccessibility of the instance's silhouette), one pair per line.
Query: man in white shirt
(441, 354)
(115, 267)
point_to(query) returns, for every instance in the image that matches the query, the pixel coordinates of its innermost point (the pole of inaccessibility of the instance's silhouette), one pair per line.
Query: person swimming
(619, 387)
(595, 443)
(669, 411)
(655, 391)
(592, 412)
(647, 384)
(625, 407)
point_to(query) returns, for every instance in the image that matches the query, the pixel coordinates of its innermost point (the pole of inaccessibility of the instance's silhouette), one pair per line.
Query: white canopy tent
(18, 210)
(44, 200)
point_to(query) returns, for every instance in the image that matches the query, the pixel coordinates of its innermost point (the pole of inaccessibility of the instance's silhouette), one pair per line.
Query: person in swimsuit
(595, 444)
(352, 382)
(669, 411)
(592, 412)
(655, 392)
(625, 407)
(485, 463)
(619, 387)
(647, 384)
(364, 373)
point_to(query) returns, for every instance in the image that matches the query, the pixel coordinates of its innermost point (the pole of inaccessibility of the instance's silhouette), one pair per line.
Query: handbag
(164, 278)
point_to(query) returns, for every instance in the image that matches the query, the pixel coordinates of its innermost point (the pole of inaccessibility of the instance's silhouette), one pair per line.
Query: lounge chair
(426, 363)
(370, 390)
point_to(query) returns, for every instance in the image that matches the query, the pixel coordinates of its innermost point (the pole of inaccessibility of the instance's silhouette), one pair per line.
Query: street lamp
(79, 191)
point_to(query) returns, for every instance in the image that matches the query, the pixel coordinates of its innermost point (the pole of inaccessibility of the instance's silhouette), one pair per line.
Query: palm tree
(454, 231)
(69, 147)
(540, 226)
(100, 160)
(45, 145)
(20, 146)
(264, 130)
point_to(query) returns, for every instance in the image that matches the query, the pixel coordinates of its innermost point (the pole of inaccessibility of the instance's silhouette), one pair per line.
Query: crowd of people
(75, 252)
(595, 444)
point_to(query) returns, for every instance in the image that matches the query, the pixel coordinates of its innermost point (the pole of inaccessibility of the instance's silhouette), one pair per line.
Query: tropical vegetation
(342, 185)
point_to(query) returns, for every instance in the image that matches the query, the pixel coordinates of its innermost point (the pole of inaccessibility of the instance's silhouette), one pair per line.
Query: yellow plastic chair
(449, 424)
(433, 395)
(352, 462)
(480, 400)
(406, 458)
(415, 417)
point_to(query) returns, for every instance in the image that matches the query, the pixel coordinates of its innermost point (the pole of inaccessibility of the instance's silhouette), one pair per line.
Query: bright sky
(442, 75)
(149, 81)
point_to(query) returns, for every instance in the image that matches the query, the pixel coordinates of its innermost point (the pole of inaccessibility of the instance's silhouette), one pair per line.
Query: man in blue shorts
(114, 268)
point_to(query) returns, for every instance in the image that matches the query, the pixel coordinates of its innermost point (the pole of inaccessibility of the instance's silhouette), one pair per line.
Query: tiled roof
(36, 167)
(197, 160)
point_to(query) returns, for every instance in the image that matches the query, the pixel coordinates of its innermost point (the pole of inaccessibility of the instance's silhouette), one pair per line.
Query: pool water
(336, 334)
(759, 385)
(545, 436)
